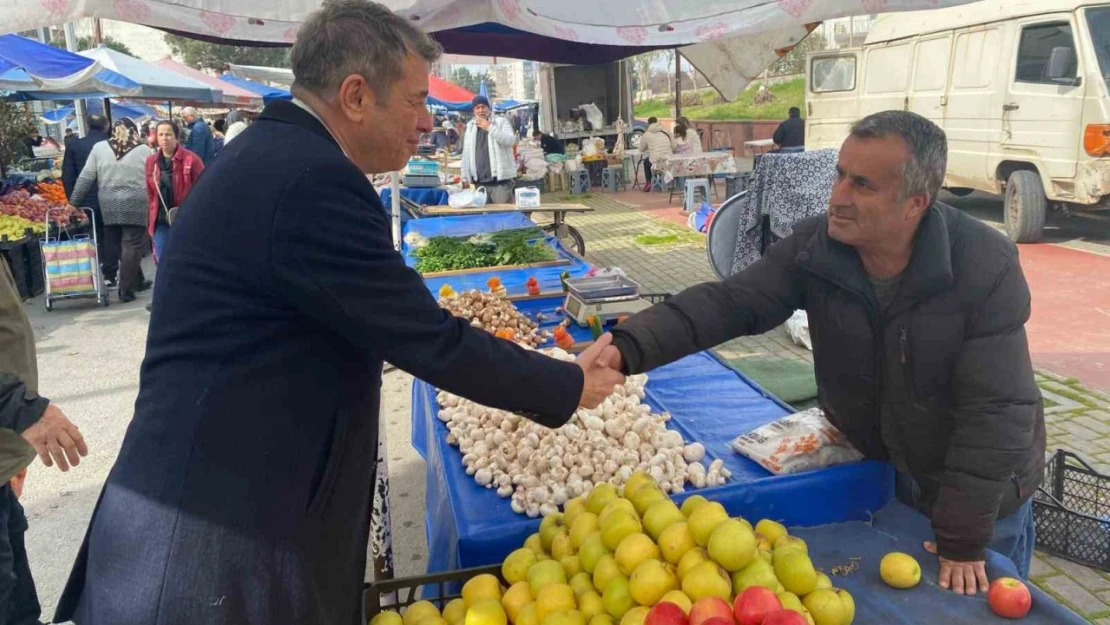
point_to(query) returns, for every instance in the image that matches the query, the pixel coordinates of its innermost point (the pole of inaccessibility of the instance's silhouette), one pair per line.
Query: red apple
(784, 617)
(1009, 598)
(708, 608)
(719, 620)
(755, 603)
(666, 613)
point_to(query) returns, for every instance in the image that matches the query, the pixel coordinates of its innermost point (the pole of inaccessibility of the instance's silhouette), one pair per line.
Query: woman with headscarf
(237, 122)
(117, 167)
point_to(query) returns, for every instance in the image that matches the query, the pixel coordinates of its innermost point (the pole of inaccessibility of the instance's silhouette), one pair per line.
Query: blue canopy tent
(29, 66)
(123, 108)
(267, 92)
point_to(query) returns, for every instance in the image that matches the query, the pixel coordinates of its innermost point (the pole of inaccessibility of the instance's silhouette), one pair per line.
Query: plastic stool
(692, 186)
(580, 181)
(658, 181)
(612, 178)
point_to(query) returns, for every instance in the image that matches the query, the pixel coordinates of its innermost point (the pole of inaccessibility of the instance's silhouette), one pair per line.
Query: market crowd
(242, 492)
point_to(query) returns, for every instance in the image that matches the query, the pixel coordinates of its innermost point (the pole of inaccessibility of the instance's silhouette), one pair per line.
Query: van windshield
(1098, 22)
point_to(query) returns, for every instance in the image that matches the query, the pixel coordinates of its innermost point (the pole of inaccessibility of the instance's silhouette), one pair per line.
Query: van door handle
(1010, 107)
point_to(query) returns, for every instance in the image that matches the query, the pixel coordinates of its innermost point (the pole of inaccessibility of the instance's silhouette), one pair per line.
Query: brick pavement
(1076, 418)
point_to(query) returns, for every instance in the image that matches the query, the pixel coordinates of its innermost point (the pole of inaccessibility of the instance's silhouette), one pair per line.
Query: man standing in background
(77, 154)
(792, 132)
(200, 140)
(487, 159)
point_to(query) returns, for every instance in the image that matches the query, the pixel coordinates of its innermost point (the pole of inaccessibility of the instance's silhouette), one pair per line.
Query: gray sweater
(122, 184)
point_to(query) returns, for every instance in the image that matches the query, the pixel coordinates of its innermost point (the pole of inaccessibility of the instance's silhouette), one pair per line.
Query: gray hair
(349, 37)
(925, 142)
(189, 111)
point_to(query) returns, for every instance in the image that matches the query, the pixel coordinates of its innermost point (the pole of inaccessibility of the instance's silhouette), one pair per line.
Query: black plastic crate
(439, 588)
(1072, 511)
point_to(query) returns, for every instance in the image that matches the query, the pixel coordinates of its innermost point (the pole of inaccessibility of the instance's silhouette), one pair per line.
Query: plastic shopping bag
(798, 327)
(800, 442)
(468, 198)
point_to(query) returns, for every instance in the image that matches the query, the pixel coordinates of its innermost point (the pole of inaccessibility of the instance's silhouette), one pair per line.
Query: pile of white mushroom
(492, 313)
(541, 468)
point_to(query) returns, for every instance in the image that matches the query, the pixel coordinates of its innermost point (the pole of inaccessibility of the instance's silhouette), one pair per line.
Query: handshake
(601, 371)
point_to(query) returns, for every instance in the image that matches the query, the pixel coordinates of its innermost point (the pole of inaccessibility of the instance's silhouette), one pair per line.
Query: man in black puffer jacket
(917, 314)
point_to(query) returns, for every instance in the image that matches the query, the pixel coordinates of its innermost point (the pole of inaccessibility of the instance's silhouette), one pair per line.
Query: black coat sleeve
(780, 134)
(997, 403)
(754, 301)
(333, 257)
(18, 411)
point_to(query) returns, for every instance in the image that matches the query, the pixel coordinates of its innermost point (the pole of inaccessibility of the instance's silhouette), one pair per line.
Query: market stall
(468, 525)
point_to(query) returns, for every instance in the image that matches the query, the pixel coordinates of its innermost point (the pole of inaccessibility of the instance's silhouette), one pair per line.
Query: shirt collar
(308, 109)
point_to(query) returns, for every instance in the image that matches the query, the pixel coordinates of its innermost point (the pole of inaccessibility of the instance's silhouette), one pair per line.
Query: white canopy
(629, 23)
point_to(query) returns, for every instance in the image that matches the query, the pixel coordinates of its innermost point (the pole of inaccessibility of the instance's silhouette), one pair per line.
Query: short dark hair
(345, 37)
(795, 111)
(926, 148)
(653, 120)
(98, 122)
(171, 124)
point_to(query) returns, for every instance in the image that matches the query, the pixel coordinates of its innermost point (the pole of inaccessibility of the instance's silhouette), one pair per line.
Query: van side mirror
(1061, 66)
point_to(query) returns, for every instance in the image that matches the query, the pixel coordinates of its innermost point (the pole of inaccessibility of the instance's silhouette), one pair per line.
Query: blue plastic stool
(658, 182)
(693, 185)
(612, 178)
(580, 181)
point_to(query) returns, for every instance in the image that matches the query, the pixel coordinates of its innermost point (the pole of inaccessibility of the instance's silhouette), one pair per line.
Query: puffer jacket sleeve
(18, 409)
(997, 403)
(754, 301)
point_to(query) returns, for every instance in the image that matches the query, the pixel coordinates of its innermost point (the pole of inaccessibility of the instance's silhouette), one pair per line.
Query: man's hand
(962, 577)
(610, 357)
(598, 380)
(56, 439)
(483, 123)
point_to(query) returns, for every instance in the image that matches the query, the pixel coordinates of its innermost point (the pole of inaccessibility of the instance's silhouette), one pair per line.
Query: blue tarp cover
(513, 279)
(267, 92)
(899, 528)
(469, 525)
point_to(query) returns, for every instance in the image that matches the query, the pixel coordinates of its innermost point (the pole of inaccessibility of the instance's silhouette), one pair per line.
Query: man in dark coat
(792, 132)
(29, 423)
(549, 144)
(917, 314)
(200, 140)
(242, 492)
(76, 155)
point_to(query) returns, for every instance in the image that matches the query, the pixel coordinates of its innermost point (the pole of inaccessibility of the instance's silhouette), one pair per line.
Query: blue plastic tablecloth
(899, 528)
(469, 525)
(513, 279)
(433, 196)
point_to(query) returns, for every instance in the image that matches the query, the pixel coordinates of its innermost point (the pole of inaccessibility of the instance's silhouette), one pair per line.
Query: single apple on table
(1009, 598)
(754, 604)
(709, 608)
(666, 613)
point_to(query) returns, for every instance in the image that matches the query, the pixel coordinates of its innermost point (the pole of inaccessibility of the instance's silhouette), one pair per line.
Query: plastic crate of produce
(1072, 511)
(439, 588)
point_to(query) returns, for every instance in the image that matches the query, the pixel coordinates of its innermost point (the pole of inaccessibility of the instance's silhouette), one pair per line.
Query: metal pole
(78, 105)
(98, 39)
(677, 84)
(395, 201)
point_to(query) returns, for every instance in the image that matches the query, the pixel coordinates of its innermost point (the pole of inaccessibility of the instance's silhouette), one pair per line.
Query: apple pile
(20, 203)
(639, 559)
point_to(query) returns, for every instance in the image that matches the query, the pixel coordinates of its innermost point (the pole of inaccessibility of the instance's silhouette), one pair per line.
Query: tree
(203, 55)
(641, 66)
(14, 126)
(472, 81)
(794, 62)
(87, 43)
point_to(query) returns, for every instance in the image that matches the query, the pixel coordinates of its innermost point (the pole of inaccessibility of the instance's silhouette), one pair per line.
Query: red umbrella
(441, 91)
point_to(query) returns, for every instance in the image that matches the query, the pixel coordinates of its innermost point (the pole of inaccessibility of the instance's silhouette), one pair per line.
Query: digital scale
(605, 297)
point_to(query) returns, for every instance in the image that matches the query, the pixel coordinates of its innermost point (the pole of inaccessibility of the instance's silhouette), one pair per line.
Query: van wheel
(960, 191)
(1026, 207)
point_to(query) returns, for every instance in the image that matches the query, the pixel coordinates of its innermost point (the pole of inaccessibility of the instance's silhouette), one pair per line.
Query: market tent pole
(395, 201)
(78, 104)
(677, 84)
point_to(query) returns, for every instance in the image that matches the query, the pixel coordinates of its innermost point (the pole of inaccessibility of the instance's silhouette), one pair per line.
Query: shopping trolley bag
(70, 266)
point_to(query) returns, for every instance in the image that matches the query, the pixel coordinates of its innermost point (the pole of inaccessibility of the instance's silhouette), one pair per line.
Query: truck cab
(1019, 86)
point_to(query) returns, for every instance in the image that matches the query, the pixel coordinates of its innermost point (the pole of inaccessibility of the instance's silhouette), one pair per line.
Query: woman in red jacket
(170, 173)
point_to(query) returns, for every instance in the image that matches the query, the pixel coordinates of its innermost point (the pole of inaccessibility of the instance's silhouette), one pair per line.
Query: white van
(1019, 86)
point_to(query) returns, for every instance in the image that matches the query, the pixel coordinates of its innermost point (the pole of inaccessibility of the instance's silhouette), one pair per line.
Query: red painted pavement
(1069, 330)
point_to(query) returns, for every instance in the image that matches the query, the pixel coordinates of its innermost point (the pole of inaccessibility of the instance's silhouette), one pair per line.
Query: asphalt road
(1085, 231)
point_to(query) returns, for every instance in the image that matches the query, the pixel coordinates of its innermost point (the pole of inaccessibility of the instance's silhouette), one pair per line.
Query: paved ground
(89, 361)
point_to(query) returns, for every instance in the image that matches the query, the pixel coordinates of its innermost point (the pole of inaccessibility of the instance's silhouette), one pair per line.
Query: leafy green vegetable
(507, 247)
